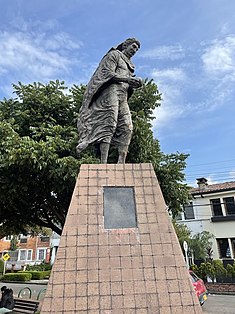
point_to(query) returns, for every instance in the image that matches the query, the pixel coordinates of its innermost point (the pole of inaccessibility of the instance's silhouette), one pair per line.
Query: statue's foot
(122, 157)
(104, 150)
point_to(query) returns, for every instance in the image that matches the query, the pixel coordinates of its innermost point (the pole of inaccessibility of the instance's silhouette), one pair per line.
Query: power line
(218, 180)
(214, 175)
(213, 162)
(213, 169)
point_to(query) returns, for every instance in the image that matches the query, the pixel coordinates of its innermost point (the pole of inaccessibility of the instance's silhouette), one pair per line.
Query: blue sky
(187, 47)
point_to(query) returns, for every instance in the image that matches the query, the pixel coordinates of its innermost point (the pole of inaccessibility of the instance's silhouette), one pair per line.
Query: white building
(54, 243)
(213, 209)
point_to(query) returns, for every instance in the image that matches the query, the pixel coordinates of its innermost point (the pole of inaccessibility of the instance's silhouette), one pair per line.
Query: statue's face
(131, 49)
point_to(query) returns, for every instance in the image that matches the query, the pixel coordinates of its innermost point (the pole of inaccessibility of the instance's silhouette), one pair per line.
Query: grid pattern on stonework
(125, 272)
(120, 286)
(117, 268)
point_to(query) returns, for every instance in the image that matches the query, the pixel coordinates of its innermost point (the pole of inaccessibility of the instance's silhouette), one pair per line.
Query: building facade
(30, 250)
(213, 209)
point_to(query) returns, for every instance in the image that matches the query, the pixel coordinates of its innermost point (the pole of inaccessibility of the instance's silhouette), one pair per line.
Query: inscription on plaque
(119, 208)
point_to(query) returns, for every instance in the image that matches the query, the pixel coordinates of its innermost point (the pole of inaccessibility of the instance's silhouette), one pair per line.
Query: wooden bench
(25, 306)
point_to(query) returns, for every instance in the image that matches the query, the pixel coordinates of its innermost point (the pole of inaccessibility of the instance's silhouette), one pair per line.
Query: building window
(14, 256)
(44, 239)
(216, 207)
(233, 245)
(25, 255)
(189, 211)
(23, 240)
(224, 250)
(8, 238)
(22, 256)
(229, 205)
(29, 255)
(41, 254)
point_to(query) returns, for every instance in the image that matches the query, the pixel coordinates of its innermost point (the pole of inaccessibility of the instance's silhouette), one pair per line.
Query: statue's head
(127, 42)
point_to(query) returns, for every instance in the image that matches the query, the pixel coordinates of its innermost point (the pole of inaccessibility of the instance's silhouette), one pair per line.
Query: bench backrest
(25, 306)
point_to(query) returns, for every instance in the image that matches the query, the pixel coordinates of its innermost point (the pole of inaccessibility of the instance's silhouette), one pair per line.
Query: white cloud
(171, 108)
(211, 179)
(219, 58)
(169, 82)
(214, 178)
(215, 78)
(218, 71)
(60, 41)
(173, 52)
(172, 74)
(33, 56)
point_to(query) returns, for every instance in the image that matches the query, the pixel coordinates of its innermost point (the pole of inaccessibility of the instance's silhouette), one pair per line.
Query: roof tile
(225, 186)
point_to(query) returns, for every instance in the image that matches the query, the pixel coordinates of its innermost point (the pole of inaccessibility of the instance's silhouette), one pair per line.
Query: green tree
(213, 269)
(183, 233)
(14, 243)
(220, 271)
(200, 244)
(38, 162)
(1, 267)
(230, 270)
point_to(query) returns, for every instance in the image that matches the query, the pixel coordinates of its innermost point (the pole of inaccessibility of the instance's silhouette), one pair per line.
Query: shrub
(194, 268)
(202, 271)
(210, 270)
(220, 271)
(36, 275)
(47, 273)
(1, 266)
(17, 277)
(230, 271)
(40, 267)
(213, 270)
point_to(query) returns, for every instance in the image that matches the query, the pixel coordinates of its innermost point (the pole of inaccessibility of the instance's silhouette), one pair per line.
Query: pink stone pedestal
(119, 271)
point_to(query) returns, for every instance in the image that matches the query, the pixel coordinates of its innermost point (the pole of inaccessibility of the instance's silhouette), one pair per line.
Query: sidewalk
(35, 288)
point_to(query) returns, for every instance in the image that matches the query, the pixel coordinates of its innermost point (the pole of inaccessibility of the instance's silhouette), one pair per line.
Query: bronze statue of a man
(105, 116)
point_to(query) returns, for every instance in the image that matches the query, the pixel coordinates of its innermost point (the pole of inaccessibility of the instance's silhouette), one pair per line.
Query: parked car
(199, 287)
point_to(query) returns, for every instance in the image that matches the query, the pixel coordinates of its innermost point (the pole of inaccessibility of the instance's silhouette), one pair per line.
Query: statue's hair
(127, 42)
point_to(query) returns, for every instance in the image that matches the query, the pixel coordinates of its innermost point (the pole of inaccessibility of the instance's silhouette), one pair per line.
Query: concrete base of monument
(118, 251)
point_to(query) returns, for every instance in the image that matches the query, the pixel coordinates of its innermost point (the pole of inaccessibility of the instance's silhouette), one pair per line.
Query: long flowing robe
(104, 115)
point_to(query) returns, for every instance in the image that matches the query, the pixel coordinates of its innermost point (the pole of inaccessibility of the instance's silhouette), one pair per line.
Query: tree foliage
(13, 243)
(183, 233)
(38, 163)
(199, 244)
(213, 270)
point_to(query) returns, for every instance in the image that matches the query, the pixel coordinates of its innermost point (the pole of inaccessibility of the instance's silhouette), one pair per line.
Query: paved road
(35, 289)
(221, 304)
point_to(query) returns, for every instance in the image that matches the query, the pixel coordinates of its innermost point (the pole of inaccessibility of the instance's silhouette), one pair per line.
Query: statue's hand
(140, 81)
(135, 82)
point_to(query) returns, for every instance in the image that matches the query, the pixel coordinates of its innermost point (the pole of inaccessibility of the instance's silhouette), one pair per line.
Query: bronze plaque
(119, 208)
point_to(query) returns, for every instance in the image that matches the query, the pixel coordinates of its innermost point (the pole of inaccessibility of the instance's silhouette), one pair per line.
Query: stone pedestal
(106, 264)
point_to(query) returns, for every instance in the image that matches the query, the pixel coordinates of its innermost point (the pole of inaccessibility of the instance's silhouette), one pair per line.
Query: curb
(27, 282)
